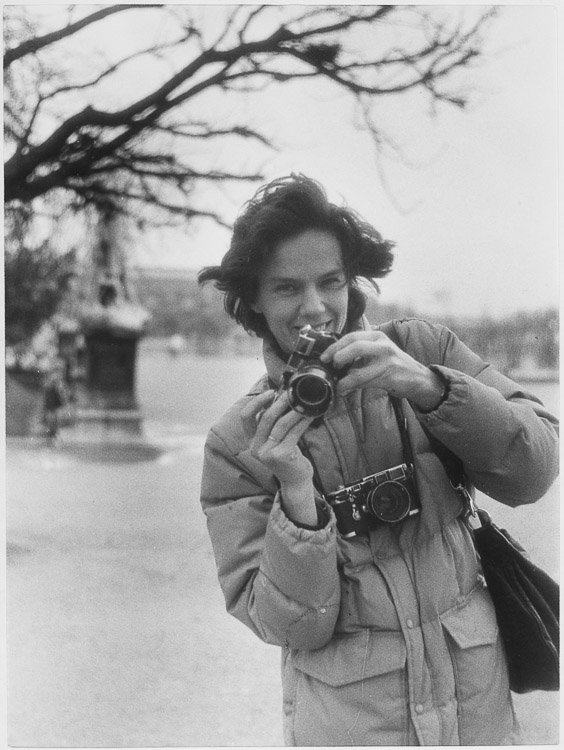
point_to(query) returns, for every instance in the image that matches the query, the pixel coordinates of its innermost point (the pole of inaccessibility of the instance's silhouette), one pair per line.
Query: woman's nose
(312, 302)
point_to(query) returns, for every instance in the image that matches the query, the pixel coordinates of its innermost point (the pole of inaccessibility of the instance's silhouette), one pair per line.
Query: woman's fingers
(268, 412)
(371, 358)
(329, 354)
(363, 361)
(280, 450)
(277, 422)
(356, 378)
(252, 412)
(270, 416)
(289, 427)
(354, 346)
(274, 430)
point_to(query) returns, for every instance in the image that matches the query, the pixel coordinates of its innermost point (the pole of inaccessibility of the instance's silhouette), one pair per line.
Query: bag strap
(452, 464)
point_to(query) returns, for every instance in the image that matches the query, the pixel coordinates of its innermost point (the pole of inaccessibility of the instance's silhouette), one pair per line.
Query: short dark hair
(278, 211)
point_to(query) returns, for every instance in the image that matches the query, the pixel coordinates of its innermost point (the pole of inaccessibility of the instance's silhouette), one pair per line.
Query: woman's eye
(335, 282)
(286, 288)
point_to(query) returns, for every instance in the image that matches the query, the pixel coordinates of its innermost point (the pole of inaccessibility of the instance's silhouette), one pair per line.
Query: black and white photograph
(281, 326)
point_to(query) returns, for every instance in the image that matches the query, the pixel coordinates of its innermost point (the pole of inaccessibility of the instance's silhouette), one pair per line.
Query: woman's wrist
(431, 391)
(298, 502)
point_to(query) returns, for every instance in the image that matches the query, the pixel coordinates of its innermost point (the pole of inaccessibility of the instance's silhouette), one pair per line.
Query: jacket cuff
(455, 390)
(446, 390)
(301, 563)
(323, 515)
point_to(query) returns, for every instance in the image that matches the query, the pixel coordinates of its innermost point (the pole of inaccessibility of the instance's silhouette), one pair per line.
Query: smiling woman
(278, 213)
(365, 596)
(303, 283)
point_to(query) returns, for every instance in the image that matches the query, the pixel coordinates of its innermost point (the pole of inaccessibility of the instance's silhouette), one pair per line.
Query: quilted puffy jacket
(388, 638)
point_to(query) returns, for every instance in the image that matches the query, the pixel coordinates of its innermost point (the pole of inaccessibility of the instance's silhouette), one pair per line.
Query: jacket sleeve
(277, 578)
(505, 437)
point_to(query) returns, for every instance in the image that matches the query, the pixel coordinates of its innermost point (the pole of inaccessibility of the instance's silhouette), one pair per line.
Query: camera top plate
(311, 344)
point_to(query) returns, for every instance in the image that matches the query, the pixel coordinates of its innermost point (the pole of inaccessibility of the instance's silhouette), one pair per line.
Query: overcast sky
(476, 221)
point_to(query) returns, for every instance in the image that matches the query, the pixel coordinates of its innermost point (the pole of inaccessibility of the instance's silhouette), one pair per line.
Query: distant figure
(56, 396)
(176, 344)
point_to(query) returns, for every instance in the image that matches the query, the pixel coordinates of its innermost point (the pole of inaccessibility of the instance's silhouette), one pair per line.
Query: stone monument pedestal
(106, 405)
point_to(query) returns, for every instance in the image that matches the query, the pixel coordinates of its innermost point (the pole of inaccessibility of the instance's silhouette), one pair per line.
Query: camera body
(386, 497)
(310, 383)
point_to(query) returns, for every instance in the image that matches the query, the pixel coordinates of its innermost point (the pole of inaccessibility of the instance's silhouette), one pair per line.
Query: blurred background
(133, 135)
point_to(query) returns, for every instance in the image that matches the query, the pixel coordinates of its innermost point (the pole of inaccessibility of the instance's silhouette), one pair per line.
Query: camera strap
(452, 464)
(404, 434)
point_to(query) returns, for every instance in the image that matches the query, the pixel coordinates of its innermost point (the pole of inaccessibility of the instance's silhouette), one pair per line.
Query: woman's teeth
(317, 327)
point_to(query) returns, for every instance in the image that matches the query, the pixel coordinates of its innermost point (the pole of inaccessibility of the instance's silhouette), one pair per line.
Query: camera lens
(389, 502)
(312, 390)
(310, 393)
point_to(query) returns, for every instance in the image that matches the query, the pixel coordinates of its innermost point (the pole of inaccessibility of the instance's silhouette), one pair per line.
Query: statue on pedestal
(111, 324)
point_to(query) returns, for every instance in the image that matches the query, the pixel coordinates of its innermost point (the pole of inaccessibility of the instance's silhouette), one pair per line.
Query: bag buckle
(471, 509)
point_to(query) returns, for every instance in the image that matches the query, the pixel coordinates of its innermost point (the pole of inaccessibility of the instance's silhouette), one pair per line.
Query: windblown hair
(280, 210)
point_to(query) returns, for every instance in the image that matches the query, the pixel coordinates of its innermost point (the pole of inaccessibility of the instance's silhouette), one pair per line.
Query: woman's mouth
(316, 326)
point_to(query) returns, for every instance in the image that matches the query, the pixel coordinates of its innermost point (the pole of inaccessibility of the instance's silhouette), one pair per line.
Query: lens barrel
(311, 391)
(389, 501)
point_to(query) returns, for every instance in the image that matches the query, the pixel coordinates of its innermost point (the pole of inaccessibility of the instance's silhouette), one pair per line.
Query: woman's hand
(375, 361)
(274, 430)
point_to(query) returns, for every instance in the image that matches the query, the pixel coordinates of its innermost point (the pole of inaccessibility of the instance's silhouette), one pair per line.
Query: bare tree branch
(367, 52)
(31, 46)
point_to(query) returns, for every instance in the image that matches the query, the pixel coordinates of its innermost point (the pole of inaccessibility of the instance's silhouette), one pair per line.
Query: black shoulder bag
(526, 599)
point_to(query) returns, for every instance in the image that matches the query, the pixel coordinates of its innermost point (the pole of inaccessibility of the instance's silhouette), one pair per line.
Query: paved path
(117, 632)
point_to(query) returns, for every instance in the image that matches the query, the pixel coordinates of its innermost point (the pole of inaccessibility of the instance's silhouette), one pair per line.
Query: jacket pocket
(474, 623)
(352, 657)
(352, 691)
(485, 714)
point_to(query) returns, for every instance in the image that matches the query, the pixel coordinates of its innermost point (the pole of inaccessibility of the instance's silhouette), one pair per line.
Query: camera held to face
(310, 383)
(386, 497)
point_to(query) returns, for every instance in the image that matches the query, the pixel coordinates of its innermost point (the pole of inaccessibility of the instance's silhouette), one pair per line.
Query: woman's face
(303, 282)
